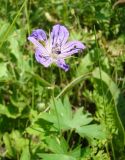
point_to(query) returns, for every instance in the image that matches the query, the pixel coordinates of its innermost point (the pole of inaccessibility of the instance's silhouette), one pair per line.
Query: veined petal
(61, 63)
(39, 34)
(59, 35)
(38, 46)
(48, 45)
(46, 61)
(71, 48)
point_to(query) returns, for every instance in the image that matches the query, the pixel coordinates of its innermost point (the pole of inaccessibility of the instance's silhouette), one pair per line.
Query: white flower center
(55, 52)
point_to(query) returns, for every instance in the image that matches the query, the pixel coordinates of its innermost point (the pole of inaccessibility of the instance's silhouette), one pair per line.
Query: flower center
(55, 51)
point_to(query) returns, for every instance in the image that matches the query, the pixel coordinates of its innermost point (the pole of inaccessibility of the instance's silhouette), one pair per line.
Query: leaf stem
(56, 111)
(73, 83)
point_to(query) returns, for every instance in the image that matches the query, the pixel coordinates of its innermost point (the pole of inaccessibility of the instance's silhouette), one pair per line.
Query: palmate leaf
(60, 146)
(63, 118)
(57, 145)
(60, 149)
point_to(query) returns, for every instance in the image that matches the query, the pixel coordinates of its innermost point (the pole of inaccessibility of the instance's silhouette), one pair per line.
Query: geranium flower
(55, 49)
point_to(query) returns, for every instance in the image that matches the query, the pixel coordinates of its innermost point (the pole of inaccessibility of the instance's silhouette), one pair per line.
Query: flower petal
(39, 46)
(39, 34)
(59, 35)
(46, 61)
(61, 63)
(71, 48)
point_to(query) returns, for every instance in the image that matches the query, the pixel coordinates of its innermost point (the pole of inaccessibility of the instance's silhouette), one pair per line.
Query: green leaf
(62, 120)
(75, 152)
(60, 146)
(101, 75)
(115, 92)
(10, 112)
(25, 154)
(15, 143)
(3, 71)
(56, 157)
(4, 26)
(78, 120)
(92, 131)
(85, 64)
(14, 45)
(57, 145)
(9, 147)
(9, 29)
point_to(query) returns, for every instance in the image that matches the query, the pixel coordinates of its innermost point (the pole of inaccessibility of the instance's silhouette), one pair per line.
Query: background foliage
(49, 114)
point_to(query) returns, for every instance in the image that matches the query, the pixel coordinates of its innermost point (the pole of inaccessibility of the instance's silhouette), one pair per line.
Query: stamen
(56, 49)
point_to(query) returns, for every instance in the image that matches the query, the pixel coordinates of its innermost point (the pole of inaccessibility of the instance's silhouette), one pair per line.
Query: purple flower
(55, 49)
